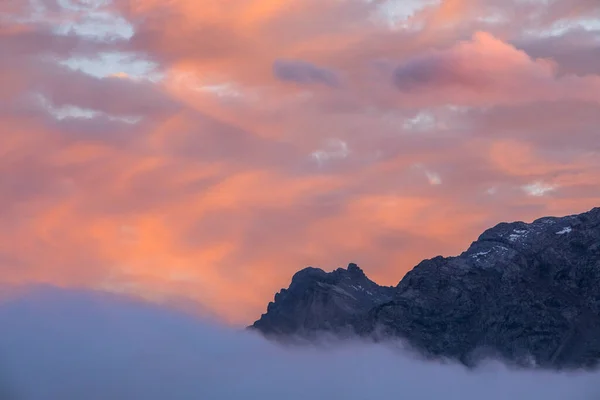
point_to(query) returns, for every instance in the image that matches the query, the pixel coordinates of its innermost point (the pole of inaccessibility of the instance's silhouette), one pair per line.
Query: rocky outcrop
(529, 293)
(321, 301)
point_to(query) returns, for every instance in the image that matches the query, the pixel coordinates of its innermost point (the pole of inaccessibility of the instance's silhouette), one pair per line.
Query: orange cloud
(213, 194)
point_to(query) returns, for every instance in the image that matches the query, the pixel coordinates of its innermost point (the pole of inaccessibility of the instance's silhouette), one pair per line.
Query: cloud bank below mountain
(58, 344)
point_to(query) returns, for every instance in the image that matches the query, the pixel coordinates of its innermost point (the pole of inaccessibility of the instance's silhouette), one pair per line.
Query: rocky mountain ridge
(317, 301)
(529, 293)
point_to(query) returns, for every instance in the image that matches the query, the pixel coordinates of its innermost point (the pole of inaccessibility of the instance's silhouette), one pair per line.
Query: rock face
(317, 301)
(529, 293)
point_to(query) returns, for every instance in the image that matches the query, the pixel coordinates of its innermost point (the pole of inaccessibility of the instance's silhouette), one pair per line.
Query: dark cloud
(304, 73)
(439, 70)
(577, 51)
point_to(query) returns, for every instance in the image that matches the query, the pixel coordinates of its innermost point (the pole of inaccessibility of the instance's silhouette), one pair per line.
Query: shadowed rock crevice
(529, 293)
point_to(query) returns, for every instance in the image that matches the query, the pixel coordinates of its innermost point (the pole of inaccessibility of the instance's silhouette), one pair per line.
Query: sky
(198, 153)
(67, 344)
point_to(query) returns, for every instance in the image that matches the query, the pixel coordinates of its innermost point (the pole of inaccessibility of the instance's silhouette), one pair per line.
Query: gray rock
(529, 293)
(318, 301)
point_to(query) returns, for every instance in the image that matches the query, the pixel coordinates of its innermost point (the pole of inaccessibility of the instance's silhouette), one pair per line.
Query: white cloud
(71, 111)
(538, 189)
(334, 149)
(423, 121)
(494, 18)
(559, 28)
(221, 90)
(83, 5)
(99, 26)
(115, 64)
(433, 178)
(399, 14)
(193, 83)
(87, 18)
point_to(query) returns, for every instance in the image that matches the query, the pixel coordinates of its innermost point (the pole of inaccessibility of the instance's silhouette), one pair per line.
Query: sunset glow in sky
(201, 152)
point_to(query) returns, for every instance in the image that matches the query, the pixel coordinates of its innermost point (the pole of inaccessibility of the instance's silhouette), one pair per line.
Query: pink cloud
(214, 194)
(488, 71)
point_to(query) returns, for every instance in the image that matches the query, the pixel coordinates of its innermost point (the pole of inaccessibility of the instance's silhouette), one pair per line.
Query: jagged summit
(317, 273)
(319, 300)
(522, 291)
(353, 268)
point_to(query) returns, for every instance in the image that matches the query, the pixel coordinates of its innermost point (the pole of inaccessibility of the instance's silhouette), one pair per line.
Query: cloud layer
(72, 344)
(204, 151)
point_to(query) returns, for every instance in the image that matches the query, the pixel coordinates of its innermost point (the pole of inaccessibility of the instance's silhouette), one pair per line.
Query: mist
(72, 345)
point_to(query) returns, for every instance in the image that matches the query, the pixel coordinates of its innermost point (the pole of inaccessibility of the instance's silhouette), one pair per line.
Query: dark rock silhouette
(317, 301)
(529, 293)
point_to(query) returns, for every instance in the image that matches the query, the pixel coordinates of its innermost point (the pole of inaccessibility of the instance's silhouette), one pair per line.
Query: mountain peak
(355, 269)
(308, 273)
(317, 300)
(528, 292)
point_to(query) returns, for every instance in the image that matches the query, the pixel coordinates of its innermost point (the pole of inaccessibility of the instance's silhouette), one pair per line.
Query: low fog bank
(69, 345)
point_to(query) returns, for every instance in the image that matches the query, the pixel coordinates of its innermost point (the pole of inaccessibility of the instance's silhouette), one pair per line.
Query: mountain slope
(525, 292)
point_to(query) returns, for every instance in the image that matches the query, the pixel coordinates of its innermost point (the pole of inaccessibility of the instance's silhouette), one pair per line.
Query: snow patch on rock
(564, 231)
